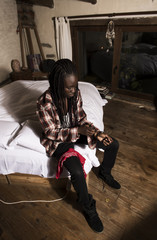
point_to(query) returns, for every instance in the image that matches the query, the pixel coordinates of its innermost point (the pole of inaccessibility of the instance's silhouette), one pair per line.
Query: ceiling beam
(45, 3)
(89, 1)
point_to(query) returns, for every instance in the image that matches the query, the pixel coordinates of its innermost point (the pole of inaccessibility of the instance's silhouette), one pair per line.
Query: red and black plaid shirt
(53, 132)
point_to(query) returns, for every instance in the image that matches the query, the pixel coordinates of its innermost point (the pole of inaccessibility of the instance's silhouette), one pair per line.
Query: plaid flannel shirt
(53, 132)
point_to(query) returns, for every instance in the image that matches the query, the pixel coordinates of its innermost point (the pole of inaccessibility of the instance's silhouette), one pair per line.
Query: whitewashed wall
(9, 40)
(78, 7)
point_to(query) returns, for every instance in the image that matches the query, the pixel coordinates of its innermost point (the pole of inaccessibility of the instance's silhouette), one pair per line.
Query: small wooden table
(28, 75)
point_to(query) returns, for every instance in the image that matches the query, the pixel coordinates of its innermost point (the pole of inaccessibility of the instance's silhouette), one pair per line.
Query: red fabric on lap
(70, 153)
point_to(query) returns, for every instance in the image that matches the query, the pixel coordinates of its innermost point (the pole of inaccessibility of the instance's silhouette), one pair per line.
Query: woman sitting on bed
(64, 123)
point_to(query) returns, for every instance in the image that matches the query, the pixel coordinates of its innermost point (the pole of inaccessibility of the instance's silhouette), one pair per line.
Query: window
(135, 60)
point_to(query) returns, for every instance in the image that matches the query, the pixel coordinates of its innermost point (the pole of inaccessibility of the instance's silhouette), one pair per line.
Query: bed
(20, 148)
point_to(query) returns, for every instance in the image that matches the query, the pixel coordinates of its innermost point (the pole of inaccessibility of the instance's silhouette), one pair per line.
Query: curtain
(63, 38)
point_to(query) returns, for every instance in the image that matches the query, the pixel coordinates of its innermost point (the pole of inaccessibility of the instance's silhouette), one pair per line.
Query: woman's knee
(115, 144)
(73, 165)
(78, 173)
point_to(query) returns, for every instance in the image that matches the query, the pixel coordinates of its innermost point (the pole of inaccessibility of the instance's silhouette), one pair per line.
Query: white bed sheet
(27, 161)
(18, 103)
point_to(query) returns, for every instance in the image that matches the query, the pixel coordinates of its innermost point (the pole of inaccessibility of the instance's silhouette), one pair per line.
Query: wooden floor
(127, 214)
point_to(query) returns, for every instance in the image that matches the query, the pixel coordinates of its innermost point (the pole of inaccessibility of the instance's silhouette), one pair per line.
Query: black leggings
(73, 165)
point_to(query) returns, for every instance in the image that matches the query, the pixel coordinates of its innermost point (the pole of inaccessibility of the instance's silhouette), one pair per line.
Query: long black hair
(61, 69)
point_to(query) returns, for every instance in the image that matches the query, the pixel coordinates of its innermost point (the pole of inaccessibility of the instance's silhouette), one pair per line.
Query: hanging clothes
(63, 38)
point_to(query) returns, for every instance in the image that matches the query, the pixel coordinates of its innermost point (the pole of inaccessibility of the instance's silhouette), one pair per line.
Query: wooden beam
(39, 43)
(22, 47)
(30, 44)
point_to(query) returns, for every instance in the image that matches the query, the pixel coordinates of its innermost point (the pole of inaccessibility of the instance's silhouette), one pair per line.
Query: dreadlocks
(61, 69)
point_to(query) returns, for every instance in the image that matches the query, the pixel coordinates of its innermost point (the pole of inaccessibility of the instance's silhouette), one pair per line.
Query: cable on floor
(35, 201)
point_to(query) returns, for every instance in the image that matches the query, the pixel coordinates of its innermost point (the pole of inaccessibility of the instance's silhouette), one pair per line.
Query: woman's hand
(90, 130)
(87, 129)
(107, 140)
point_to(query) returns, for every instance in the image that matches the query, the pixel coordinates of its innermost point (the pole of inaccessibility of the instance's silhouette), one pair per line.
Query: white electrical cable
(34, 201)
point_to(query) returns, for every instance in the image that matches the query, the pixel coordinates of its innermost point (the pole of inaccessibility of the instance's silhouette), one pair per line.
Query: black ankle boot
(108, 179)
(92, 217)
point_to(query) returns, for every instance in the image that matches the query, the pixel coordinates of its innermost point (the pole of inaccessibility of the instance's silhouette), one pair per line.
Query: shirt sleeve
(81, 115)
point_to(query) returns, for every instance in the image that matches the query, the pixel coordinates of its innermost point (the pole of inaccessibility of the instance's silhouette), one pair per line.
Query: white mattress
(18, 104)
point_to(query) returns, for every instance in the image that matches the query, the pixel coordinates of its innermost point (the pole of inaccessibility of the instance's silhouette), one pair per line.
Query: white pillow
(29, 136)
(8, 131)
